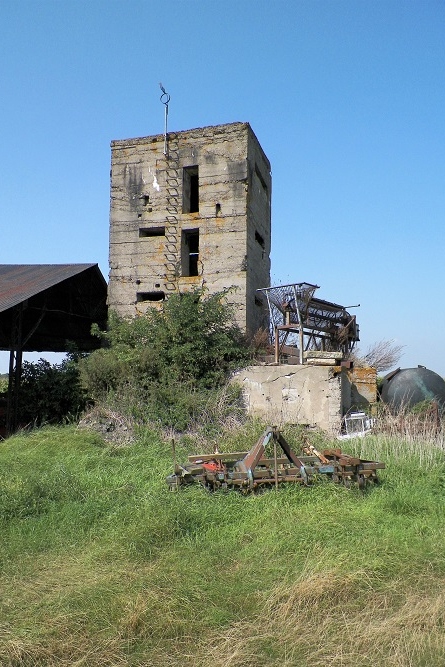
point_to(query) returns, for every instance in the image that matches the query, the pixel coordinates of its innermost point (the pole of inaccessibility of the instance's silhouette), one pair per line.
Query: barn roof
(58, 304)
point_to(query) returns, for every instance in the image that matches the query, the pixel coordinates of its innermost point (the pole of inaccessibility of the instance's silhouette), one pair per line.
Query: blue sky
(345, 96)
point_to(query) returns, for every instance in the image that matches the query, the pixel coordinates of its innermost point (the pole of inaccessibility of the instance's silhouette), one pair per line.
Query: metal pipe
(275, 462)
(165, 99)
(300, 324)
(277, 346)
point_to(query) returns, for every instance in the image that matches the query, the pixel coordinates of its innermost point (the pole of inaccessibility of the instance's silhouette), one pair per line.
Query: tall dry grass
(340, 619)
(419, 435)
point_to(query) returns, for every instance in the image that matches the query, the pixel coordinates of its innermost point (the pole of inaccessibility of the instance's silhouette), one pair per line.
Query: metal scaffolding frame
(308, 323)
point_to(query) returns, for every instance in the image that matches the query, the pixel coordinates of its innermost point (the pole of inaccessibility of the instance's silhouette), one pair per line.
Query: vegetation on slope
(101, 565)
(168, 365)
(3, 382)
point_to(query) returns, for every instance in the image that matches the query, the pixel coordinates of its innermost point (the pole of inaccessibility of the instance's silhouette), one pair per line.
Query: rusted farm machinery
(252, 471)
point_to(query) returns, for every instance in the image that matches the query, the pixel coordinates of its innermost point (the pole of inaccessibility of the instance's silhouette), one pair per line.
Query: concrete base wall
(313, 395)
(363, 383)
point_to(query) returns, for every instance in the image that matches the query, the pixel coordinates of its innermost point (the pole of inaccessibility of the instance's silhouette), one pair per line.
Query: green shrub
(50, 393)
(162, 366)
(3, 383)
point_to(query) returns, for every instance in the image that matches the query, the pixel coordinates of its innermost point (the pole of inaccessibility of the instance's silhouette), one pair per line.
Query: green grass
(101, 565)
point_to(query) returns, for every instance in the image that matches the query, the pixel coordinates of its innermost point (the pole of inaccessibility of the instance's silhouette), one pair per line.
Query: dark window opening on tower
(259, 239)
(261, 179)
(190, 190)
(144, 200)
(190, 252)
(150, 296)
(145, 232)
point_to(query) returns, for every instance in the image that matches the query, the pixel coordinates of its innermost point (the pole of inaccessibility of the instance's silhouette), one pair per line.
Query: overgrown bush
(3, 384)
(165, 366)
(50, 393)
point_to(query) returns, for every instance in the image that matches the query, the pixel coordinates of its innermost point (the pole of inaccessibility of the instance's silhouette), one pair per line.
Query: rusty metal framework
(254, 471)
(307, 323)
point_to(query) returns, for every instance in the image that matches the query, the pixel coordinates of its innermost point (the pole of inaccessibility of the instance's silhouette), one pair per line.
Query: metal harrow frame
(253, 471)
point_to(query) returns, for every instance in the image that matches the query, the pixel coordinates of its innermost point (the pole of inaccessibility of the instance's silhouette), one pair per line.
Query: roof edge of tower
(209, 130)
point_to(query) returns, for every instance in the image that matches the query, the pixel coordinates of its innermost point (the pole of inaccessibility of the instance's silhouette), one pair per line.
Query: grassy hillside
(101, 565)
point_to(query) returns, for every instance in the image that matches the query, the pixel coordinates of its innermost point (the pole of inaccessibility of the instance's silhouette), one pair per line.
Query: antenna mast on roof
(165, 99)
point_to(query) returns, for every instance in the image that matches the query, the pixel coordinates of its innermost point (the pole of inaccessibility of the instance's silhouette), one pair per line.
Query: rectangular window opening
(150, 296)
(261, 179)
(190, 252)
(145, 232)
(190, 190)
(259, 239)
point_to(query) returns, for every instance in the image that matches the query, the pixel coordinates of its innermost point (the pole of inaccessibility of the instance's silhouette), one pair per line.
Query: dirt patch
(112, 426)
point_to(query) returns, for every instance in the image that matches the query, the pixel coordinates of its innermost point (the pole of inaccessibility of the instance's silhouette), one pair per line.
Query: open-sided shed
(48, 307)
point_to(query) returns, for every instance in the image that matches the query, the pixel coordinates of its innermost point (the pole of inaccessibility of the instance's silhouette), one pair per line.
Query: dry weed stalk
(419, 432)
(382, 355)
(337, 619)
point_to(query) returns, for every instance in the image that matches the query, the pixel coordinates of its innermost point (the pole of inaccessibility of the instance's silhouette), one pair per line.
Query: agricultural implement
(252, 471)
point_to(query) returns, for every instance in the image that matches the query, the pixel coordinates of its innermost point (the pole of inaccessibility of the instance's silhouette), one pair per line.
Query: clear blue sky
(345, 96)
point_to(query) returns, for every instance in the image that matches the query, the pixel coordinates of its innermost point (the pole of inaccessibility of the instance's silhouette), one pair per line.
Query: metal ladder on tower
(172, 245)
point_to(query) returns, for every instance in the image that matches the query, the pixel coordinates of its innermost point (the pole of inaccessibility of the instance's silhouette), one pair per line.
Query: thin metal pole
(174, 452)
(300, 325)
(275, 462)
(9, 404)
(15, 370)
(165, 99)
(277, 345)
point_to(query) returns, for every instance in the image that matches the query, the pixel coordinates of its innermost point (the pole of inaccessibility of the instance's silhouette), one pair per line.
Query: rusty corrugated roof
(51, 307)
(19, 282)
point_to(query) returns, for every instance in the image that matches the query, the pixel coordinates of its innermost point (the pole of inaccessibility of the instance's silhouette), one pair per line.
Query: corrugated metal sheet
(19, 282)
(51, 307)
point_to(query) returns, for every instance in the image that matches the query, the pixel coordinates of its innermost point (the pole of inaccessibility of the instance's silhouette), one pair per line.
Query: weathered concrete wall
(148, 224)
(313, 395)
(363, 386)
(258, 234)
